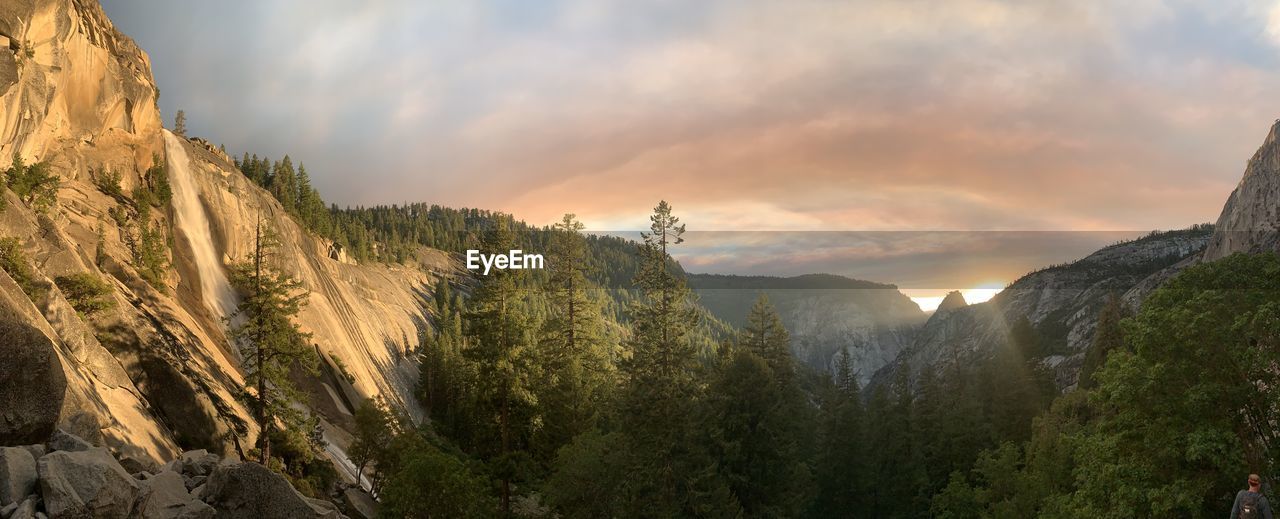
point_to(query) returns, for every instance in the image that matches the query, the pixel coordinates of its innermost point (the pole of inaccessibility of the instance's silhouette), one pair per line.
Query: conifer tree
(576, 369)
(180, 124)
(765, 336)
(759, 423)
(660, 388)
(842, 465)
(1107, 336)
(500, 342)
(269, 340)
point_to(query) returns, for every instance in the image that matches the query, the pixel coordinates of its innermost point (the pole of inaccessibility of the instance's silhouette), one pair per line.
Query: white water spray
(189, 215)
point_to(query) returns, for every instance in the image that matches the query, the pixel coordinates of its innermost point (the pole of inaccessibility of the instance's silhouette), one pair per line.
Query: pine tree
(34, 184)
(761, 424)
(284, 184)
(842, 467)
(1107, 336)
(500, 339)
(576, 369)
(765, 336)
(180, 124)
(659, 391)
(269, 340)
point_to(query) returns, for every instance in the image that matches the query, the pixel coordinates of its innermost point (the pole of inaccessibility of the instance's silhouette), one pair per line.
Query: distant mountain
(953, 301)
(824, 313)
(1061, 302)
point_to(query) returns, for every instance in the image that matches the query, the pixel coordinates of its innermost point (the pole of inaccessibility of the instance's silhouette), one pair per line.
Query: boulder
(65, 441)
(17, 474)
(84, 484)
(248, 490)
(360, 503)
(32, 383)
(164, 496)
(197, 463)
(28, 509)
(135, 465)
(37, 451)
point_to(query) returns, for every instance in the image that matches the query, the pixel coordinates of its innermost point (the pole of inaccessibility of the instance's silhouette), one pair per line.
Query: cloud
(755, 114)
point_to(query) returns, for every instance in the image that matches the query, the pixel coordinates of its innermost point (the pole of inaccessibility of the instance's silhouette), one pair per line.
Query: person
(1251, 504)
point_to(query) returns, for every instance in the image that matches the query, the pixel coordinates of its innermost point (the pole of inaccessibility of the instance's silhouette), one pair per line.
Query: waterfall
(189, 216)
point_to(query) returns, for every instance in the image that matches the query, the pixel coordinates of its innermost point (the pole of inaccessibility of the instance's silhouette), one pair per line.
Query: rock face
(1061, 302)
(68, 74)
(1250, 220)
(32, 385)
(154, 375)
(823, 313)
(952, 301)
(165, 496)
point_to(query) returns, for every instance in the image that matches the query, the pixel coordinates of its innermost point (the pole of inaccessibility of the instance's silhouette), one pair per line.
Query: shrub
(108, 182)
(14, 261)
(34, 184)
(87, 293)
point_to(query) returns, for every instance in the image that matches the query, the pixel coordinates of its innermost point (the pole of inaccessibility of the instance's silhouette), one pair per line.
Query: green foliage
(1107, 337)
(430, 483)
(1189, 409)
(14, 261)
(34, 184)
(656, 401)
(375, 446)
(107, 181)
(180, 124)
(587, 477)
(754, 437)
(156, 182)
(300, 453)
(1181, 409)
(576, 376)
(86, 292)
(151, 253)
(270, 342)
(500, 345)
(843, 465)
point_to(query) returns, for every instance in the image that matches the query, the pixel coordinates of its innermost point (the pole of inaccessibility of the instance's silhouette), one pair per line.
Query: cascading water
(189, 216)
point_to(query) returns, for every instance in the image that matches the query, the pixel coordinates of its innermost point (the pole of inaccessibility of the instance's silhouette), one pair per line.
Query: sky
(1088, 116)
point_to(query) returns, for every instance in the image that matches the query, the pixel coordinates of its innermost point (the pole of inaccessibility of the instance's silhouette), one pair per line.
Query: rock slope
(154, 375)
(1062, 303)
(1250, 219)
(824, 314)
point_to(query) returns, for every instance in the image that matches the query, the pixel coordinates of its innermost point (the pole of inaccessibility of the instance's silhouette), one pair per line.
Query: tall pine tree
(269, 340)
(659, 389)
(500, 345)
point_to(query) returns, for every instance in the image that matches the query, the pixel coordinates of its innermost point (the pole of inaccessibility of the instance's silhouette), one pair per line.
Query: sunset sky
(813, 115)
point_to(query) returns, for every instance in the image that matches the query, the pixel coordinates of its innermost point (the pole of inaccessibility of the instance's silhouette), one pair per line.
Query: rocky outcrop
(90, 483)
(1061, 303)
(1250, 220)
(67, 76)
(823, 313)
(154, 375)
(953, 300)
(251, 491)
